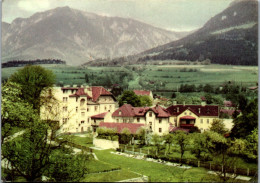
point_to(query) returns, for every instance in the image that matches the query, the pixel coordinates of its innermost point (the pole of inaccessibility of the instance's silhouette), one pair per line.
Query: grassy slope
(157, 172)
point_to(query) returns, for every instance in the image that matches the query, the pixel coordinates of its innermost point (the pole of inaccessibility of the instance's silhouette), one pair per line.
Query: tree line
(21, 63)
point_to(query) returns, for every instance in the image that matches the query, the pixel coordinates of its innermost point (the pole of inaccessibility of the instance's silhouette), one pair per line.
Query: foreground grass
(157, 172)
(110, 176)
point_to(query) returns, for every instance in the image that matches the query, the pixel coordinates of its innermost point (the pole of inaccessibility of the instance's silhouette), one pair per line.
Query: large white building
(74, 106)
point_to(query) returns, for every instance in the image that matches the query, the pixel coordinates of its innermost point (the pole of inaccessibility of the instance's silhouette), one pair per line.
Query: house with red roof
(143, 93)
(156, 119)
(188, 116)
(78, 106)
(132, 127)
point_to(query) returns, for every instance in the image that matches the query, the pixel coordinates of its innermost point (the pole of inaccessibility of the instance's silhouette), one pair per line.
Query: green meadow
(162, 77)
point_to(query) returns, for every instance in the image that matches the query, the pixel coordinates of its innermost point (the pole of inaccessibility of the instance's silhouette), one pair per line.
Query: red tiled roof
(142, 92)
(187, 117)
(208, 110)
(174, 129)
(128, 111)
(97, 91)
(229, 111)
(161, 112)
(99, 116)
(133, 127)
(80, 92)
(228, 103)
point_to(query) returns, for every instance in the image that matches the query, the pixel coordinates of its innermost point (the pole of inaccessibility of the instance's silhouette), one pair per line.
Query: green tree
(182, 140)
(218, 126)
(15, 112)
(141, 135)
(33, 80)
(199, 144)
(168, 140)
(244, 124)
(157, 141)
(125, 136)
(252, 145)
(129, 97)
(145, 101)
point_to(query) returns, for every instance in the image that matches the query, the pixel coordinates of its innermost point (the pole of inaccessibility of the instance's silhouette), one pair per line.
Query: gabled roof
(161, 112)
(133, 127)
(98, 91)
(127, 110)
(99, 116)
(199, 110)
(80, 92)
(142, 92)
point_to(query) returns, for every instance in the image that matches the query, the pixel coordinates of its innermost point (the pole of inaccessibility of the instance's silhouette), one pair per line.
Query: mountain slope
(77, 36)
(228, 38)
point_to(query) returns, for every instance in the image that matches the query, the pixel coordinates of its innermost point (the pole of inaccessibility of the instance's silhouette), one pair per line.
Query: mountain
(230, 37)
(77, 36)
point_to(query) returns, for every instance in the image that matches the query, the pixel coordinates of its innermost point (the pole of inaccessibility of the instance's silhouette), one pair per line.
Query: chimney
(199, 110)
(203, 104)
(183, 103)
(174, 102)
(177, 109)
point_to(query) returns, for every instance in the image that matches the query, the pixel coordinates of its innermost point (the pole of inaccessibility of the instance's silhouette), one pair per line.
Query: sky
(176, 15)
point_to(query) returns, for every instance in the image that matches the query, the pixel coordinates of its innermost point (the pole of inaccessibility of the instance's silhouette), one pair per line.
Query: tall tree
(218, 126)
(33, 80)
(129, 97)
(182, 140)
(244, 124)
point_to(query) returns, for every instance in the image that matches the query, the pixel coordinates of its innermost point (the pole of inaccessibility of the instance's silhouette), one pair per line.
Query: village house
(188, 116)
(143, 93)
(76, 106)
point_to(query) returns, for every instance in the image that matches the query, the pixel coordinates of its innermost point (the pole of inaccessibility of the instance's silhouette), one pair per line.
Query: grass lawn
(83, 140)
(110, 176)
(156, 172)
(95, 166)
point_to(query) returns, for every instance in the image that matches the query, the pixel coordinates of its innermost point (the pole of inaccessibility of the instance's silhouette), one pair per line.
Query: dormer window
(150, 114)
(120, 113)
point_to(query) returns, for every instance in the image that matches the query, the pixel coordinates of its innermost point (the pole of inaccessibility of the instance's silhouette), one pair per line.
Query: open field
(167, 77)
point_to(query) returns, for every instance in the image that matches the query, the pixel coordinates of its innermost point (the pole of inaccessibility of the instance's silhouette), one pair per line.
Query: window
(138, 119)
(82, 102)
(110, 106)
(82, 122)
(65, 99)
(208, 121)
(65, 109)
(150, 123)
(190, 113)
(88, 120)
(150, 114)
(124, 120)
(105, 108)
(87, 109)
(64, 120)
(201, 121)
(185, 113)
(160, 130)
(82, 114)
(96, 108)
(117, 120)
(76, 109)
(63, 91)
(160, 120)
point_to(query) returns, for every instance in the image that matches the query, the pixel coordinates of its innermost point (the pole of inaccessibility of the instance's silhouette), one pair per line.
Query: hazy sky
(169, 14)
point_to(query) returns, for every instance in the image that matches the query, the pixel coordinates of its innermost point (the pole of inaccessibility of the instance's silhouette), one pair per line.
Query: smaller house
(144, 92)
(96, 119)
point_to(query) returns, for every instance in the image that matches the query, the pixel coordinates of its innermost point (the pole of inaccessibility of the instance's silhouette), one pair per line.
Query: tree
(33, 80)
(199, 143)
(125, 136)
(129, 97)
(182, 140)
(168, 140)
(252, 145)
(218, 126)
(15, 112)
(145, 101)
(32, 153)
(157, 141)
(244, 124)
(141, 135)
